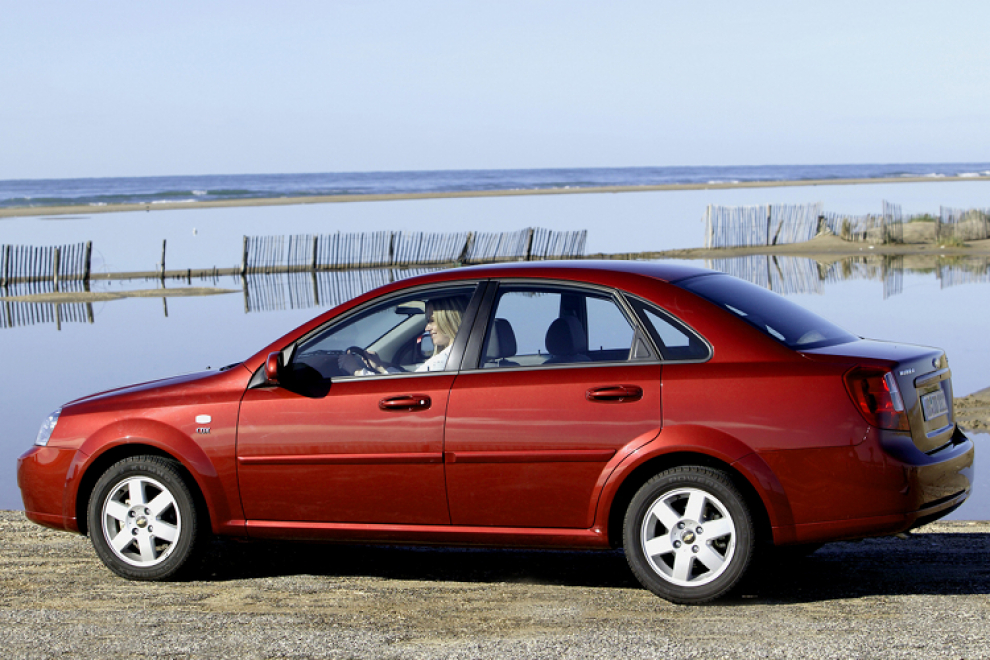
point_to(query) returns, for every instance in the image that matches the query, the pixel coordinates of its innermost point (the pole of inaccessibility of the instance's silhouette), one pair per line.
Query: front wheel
(689, 535)
(143, 519)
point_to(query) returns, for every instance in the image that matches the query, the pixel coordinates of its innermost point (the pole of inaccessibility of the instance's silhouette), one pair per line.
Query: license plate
(934, 404)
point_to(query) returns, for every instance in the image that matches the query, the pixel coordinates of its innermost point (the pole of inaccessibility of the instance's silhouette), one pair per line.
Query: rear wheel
(689, 535)
(143, 519)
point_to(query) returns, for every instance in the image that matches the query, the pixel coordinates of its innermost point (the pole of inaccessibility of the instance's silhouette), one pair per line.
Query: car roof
(588, 270)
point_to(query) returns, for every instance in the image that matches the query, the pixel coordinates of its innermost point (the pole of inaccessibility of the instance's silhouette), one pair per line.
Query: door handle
(405, 403)
(615, 394)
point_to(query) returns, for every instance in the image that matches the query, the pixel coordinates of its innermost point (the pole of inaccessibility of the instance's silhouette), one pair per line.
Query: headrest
(566, 337)
(502, 342)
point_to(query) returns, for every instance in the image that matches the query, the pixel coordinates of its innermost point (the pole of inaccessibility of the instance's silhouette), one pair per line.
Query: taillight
(876, 395)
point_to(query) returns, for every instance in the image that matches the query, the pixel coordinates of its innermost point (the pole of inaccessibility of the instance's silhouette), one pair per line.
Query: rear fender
(678, 443)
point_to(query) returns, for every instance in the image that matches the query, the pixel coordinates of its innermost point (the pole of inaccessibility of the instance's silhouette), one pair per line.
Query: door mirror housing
(273, 368)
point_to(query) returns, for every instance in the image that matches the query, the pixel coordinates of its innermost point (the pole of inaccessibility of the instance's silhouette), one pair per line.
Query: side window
(672, 338)
(404, 334)
(532, 326)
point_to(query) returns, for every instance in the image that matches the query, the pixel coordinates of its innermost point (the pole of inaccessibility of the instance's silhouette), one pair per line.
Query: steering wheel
(357, 350)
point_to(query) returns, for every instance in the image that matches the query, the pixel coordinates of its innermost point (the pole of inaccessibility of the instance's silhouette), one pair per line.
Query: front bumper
(41, 476)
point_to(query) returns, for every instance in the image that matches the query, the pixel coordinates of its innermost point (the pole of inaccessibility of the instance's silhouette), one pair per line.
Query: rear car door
(560, 380)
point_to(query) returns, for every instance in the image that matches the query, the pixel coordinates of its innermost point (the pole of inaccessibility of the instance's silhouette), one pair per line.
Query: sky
(105, 88)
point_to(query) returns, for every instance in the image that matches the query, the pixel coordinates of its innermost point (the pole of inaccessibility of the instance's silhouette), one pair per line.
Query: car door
(563, 381)
(353, 445)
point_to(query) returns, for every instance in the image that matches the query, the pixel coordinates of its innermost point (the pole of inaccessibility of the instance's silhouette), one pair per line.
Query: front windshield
(785, 321)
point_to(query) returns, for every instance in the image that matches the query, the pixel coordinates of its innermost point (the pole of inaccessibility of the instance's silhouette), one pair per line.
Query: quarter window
(674, 340)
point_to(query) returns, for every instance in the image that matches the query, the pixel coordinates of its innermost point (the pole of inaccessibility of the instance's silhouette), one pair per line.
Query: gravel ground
(925, 596)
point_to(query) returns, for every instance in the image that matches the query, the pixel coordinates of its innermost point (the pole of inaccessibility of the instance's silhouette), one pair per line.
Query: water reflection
(306, 290)
(20, 314)
(794, 275)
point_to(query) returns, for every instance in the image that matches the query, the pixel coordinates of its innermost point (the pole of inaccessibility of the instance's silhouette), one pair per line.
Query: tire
(689, 536)
(143, 519)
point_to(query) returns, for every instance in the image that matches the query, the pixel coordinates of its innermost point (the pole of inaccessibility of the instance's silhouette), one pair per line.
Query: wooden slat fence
(962, 224)
(26, 263)
(769, 224)
(867, 227)
(893, 223)
(268, 254)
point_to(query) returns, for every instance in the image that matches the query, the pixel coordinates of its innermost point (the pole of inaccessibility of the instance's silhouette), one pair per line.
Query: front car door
(354, 434)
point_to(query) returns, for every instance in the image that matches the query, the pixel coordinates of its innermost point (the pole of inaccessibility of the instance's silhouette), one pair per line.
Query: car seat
(501, 345)
(567, 341)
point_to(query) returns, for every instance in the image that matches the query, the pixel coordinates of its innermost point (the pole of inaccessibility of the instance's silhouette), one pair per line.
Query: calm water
(943, 304)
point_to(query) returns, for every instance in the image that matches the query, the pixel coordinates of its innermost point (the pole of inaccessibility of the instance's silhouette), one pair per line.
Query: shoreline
(820, 248)
(77, 209)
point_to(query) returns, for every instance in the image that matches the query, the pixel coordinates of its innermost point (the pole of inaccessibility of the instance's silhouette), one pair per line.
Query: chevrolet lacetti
(693, 419)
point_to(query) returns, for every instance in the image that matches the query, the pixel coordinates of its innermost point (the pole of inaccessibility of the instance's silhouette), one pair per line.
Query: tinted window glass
(671, 337)
(770, 313)
(533, 326)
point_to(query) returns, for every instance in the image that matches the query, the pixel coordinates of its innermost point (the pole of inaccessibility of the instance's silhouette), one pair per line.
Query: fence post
(244, 258)
(529, 244)
(88, 260)
(467, 248)
(163, 265)
(55, 265)
(768, 225)
(708, 227)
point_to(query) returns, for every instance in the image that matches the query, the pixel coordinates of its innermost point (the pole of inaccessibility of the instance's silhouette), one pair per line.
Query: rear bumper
(889, 486)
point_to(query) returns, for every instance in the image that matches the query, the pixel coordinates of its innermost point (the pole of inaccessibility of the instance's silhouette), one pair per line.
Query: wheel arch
(642, 473)
(134, 437)
(691, 445)
(102, 462)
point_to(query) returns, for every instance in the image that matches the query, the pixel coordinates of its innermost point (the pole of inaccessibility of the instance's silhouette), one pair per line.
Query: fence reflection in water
(16, 314)
(325, 289)
(792, 275)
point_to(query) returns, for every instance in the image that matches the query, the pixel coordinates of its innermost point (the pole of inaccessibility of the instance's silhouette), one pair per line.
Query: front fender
(210, 466)
(687, 439)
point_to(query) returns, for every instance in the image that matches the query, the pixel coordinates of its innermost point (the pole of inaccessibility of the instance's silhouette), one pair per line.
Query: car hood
(163, 391)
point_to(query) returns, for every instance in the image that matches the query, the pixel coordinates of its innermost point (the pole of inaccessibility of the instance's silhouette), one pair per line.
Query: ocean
(160, 189)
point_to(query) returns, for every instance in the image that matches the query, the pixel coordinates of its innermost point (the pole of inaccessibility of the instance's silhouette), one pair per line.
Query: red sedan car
(690, 417)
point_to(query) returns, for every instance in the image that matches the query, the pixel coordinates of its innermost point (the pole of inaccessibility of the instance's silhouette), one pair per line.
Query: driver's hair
(447, 314)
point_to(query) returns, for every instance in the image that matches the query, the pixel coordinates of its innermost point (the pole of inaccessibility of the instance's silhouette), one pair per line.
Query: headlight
(46, 428)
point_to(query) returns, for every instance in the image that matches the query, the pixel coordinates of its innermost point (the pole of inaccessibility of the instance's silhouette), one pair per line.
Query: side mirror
(426, 347)
(273, 365)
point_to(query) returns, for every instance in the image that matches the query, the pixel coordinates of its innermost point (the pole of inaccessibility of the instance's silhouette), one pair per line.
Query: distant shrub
(924, 217)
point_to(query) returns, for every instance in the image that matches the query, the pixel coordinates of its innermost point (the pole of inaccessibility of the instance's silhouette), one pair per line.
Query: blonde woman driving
(443, 320)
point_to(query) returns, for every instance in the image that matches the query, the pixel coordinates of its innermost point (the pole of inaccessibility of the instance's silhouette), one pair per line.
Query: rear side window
(787, 322)
(535, 325)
